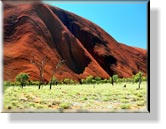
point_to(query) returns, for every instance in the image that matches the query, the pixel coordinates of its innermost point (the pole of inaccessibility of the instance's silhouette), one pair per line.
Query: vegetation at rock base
(22, 78)
(76, 97)
(90, 94)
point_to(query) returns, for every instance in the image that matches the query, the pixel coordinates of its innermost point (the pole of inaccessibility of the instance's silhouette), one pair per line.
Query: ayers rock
(35, 30)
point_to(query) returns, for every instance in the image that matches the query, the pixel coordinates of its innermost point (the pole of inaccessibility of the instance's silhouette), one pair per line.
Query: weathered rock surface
(36, 30)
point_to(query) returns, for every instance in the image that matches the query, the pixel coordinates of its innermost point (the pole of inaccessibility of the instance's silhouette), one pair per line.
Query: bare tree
(40, 65)
(60, 63)
(140, 81)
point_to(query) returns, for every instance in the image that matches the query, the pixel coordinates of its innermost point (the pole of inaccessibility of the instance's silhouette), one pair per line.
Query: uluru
(36, 30)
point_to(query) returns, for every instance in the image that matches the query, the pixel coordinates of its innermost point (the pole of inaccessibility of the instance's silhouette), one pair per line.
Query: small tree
(60, 63)
(22, 78)
(140, 79)
(53, 81)
(114, 79)
(135, 78)
(40, 66)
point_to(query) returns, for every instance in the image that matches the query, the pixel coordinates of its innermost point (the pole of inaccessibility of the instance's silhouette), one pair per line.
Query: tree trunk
(50, 85)
(39, 85)
(22, 85)
(139, 85)
(112, 82)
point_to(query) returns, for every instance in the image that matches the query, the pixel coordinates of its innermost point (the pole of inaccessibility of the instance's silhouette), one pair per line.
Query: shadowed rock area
(36, 30)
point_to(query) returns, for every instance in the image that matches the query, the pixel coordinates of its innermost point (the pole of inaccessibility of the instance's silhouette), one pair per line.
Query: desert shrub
(125, 106)
(109, 80)
(126, 79)
(64, 105)
(115, 78)
(137, 77)
(22, 78)
(83, 81)
(88, 80)
(104, 81)
(98, 79)
(144, 78)
(129, 79)
(34, 83)
(6, 83)
(140, 103)
(120, 80)
(93, 81)
(13, 84)
(54, 81)
(29, 82)
(16, 83)
(60, 82)
(69, 81)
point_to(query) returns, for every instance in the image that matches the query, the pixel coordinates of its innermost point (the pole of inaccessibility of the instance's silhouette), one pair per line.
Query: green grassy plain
(76, 98)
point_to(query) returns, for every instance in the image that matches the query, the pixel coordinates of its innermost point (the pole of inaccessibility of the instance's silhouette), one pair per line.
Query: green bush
(98, 78)
(93, 80)
(144, 78)
(115, 78)
(6, 83)
(22, 78)
(109, 80)
(88, 80)
(129, 79)
(34, 82)
(125, 106)
(137, 77)
(104, 81)
(120, 80)
(54, 81)
(65, 105)
(60, 82)
(83, 81)
(68, 81)
(125, 80)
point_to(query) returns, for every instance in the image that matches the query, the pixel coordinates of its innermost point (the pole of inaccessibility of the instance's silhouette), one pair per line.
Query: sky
(126, 22)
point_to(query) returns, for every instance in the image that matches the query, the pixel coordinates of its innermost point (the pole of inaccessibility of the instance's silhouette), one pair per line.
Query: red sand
(39, 30)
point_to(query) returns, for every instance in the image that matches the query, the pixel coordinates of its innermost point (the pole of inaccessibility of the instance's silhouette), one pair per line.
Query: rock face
(36, 30)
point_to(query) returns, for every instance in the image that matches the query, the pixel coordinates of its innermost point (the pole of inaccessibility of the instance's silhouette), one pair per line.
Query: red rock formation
(38, 30)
